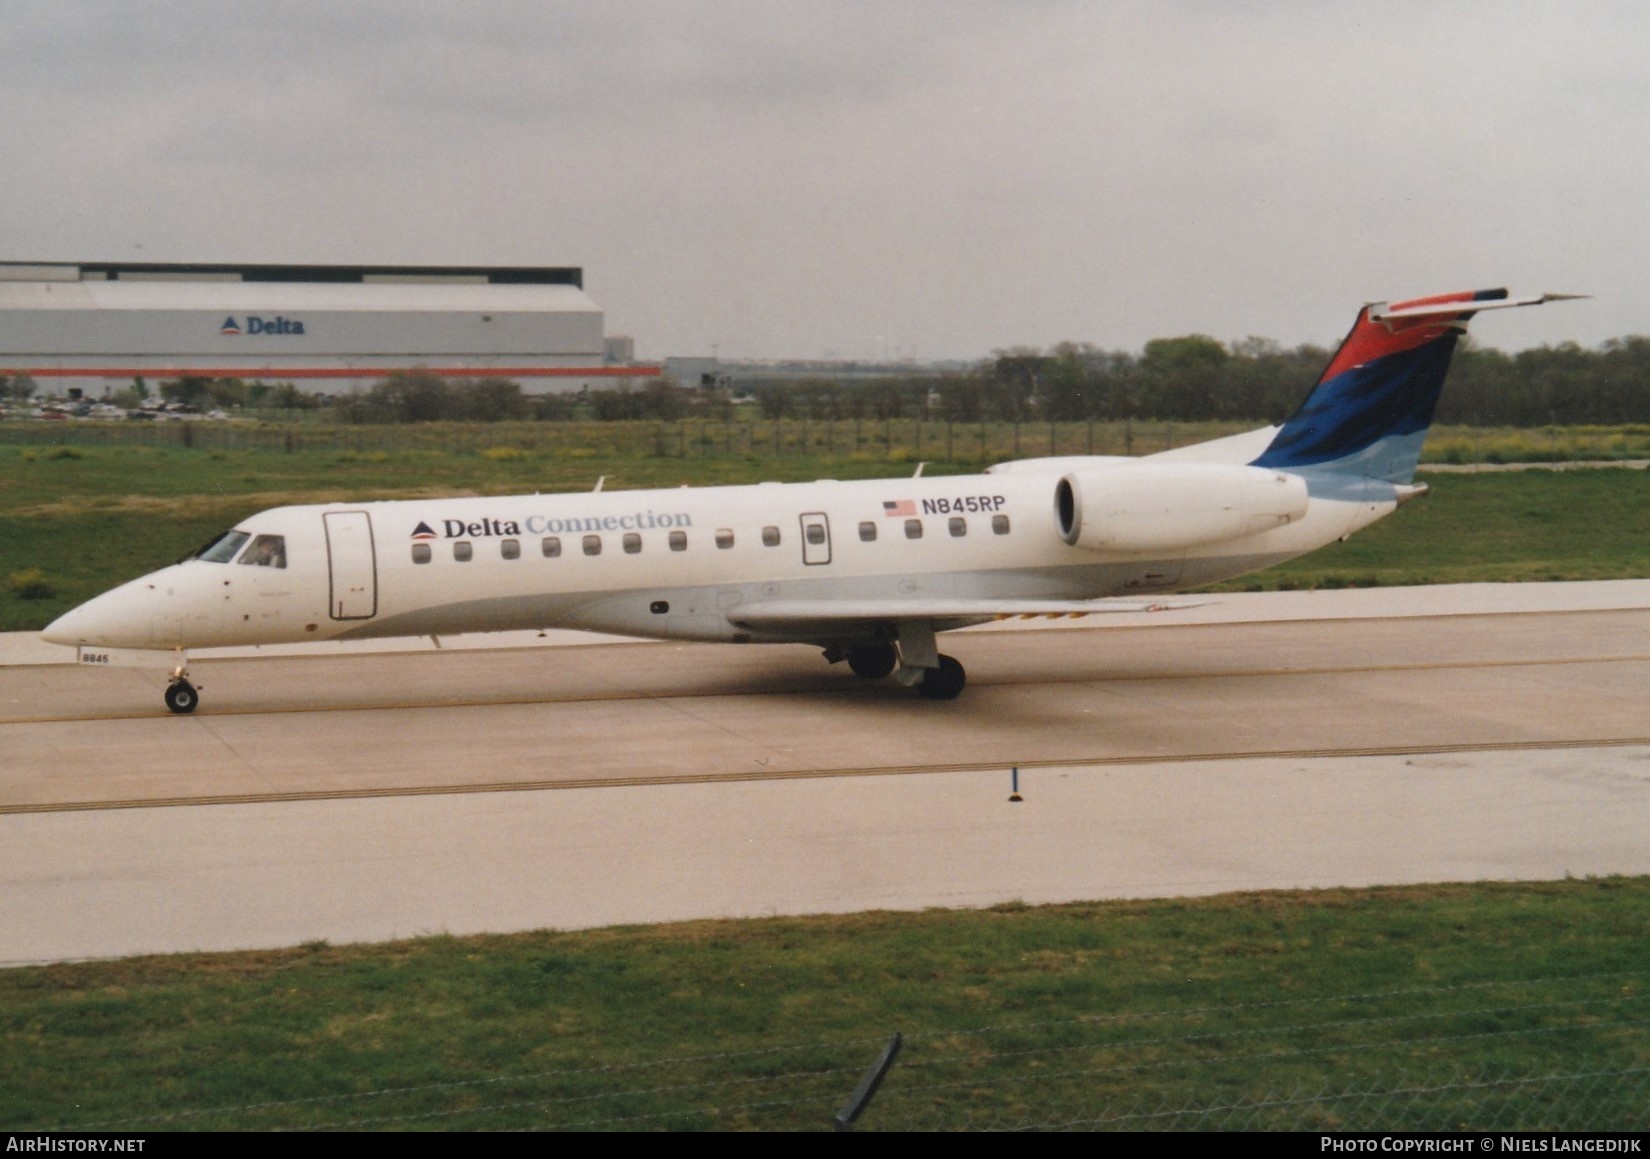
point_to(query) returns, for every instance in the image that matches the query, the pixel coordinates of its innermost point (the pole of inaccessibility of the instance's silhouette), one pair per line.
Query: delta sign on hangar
(330, 328)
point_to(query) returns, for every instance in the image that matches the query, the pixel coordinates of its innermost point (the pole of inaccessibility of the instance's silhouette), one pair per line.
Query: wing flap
(768, 615)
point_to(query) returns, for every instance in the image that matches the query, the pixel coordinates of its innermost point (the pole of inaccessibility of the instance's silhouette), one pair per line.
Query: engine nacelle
(1157, 507)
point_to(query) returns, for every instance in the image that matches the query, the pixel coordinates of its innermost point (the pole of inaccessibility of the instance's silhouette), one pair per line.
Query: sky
(922, 179)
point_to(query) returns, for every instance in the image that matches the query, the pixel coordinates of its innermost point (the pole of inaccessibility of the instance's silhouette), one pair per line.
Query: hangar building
(331, 328)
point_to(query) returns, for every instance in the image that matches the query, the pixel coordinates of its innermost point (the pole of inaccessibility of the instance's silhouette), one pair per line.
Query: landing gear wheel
(872, 662)
(181, 696)
(945, 682)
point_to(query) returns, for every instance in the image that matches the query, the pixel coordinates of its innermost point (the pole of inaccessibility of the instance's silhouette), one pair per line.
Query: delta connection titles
(541, 525)
(1486, 1143)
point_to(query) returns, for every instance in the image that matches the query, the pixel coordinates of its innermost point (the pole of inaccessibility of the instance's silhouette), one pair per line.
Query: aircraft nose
(110, 621)
(66, 628)
(82, 625)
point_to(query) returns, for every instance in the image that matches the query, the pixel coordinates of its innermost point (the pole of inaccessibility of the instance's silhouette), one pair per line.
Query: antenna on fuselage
(599, 483)
(917, 474)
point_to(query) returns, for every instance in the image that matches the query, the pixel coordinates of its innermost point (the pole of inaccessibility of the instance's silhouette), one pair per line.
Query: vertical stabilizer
(1369, 413)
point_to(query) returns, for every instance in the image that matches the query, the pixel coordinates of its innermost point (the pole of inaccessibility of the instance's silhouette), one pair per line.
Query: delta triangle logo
(230, 327)
(422, 531)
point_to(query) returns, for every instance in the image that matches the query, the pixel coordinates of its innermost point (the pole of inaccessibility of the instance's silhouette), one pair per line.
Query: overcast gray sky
(907, 178)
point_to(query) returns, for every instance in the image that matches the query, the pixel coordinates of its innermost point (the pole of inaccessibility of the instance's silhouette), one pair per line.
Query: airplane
(869, 571)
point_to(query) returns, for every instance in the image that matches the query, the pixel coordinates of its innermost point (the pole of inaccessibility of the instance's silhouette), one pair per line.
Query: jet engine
(1157, 507)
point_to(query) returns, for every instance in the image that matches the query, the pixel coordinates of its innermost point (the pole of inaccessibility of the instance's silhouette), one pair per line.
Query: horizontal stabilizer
(1435, 308)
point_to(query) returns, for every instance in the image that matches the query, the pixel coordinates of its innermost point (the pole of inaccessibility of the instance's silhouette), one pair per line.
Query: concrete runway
(1267, 741)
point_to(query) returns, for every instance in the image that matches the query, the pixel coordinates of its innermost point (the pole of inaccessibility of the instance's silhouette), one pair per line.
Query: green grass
(1015, 1016)
(1501, 527)
(1554, 444)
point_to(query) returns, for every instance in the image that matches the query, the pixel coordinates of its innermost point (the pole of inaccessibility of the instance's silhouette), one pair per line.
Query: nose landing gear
(181, 696)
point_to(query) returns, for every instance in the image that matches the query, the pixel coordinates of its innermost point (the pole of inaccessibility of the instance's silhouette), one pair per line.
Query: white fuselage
(676, 563)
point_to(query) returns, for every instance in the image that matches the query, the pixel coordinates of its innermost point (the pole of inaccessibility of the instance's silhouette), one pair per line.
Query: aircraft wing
(795, 615)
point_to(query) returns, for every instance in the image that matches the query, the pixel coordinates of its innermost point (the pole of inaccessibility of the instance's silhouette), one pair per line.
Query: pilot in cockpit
(266, 551)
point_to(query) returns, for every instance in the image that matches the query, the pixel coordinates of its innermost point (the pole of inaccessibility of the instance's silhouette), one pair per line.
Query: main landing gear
(941, 679)
(181, 696)
(872, 661)
(945, 682)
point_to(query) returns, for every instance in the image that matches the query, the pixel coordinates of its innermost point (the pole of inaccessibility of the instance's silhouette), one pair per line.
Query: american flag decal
(899, 507)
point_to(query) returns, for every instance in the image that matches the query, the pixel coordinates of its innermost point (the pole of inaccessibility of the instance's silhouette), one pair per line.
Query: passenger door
(353, 565)
(816, 538)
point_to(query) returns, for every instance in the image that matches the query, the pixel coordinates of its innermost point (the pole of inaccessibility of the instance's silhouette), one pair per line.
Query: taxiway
(1268, 741)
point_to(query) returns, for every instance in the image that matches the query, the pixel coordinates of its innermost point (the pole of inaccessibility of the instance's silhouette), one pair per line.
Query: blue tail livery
(1371, 408)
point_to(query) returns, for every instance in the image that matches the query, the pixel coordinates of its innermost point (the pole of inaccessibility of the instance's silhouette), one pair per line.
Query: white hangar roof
(346, 323)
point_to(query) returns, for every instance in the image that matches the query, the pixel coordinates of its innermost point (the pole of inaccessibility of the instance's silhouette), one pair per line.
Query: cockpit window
(223, 548)
(267, 551)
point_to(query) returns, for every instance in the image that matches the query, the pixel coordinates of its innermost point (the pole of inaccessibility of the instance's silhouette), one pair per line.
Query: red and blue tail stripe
(1375, 400)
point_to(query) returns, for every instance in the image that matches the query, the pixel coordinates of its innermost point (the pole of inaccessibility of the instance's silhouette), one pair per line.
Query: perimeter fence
(898, 440)
(1565, 1054)
(870, 440)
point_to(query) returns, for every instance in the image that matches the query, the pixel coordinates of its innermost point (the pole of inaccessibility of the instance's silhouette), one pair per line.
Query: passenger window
(266, 551)
(592, 545)
(913, 529)
(551, 546)
(462, 550)
(770, 537)
(999, 525)
(959, 527)
(421, 553)
(678, 541)
(223, 548)
(868, 532)
(510, 548)
(815, 533)
(724, 537)
(632, 543)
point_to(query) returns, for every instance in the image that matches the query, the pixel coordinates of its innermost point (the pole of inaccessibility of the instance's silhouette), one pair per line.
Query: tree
(190, 390)
(1013, 381)
(887, 398)
(962, 397)
(774, 401)
(287, 396)
(1064, 384)
(551, 407)
(1182, 378)
(227, 392)
(489, 400)
(616, 405)
(816, 398)
(414, 396)
(663, 399)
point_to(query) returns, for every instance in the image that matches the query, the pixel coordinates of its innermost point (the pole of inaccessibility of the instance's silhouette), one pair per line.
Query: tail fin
(1371, 408)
